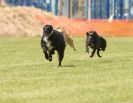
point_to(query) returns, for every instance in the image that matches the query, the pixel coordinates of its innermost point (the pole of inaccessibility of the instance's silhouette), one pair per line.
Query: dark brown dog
(95, 42)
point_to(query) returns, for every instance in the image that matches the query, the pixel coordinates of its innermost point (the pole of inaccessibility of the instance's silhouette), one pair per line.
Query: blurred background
(77, 14)
(91, 9)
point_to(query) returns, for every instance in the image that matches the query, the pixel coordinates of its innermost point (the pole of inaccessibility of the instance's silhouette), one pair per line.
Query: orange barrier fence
(78, 27)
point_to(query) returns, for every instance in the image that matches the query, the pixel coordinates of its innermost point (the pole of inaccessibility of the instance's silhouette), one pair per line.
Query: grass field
(26, 77)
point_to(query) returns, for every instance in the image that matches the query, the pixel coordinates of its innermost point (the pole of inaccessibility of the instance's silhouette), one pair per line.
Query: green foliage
(26, 77)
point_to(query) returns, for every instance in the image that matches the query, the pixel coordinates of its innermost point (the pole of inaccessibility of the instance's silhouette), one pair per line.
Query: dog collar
(51, 33)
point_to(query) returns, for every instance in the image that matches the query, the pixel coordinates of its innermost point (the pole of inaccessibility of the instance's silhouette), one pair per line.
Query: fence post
(118, 6)
(99, 11)
(107, 6)
(60, 10)
(86, 8)
(130, 10)
(93, 9)
(54, 7)
(89, 9)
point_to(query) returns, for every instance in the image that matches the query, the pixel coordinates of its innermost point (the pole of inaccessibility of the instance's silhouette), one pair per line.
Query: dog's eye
(45, 31)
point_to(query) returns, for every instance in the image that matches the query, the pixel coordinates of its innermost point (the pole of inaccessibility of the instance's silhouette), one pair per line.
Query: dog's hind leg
(70, 42)
(93, 52)
(98, 52)
(60, 57)
(72, 45)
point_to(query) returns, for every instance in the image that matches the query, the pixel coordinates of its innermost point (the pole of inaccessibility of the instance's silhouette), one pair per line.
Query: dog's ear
(87, 34)
(51, 27)
(95, 33)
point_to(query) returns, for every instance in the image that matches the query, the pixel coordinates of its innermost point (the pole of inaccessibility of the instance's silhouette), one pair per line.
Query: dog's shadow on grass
(69, 66)
(65, 66)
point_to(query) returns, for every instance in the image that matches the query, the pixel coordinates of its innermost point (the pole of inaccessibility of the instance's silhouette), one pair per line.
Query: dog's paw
(46, 58)
(99, 55)
(74, 49)
(50, 59)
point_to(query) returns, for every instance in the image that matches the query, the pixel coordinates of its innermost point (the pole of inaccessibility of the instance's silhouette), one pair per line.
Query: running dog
(67, 38)
(52, 40)
(95, 42)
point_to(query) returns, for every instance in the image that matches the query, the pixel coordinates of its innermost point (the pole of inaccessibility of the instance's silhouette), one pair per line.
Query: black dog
(52, 40)
(95, 42)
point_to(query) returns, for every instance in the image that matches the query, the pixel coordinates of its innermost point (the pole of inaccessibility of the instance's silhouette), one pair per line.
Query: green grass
(26, 77)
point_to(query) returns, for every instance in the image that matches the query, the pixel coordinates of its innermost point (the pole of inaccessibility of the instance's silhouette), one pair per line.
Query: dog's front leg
(87, 48)
(93, 52)
(98, 52)
(46, 54)
(50, 54)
